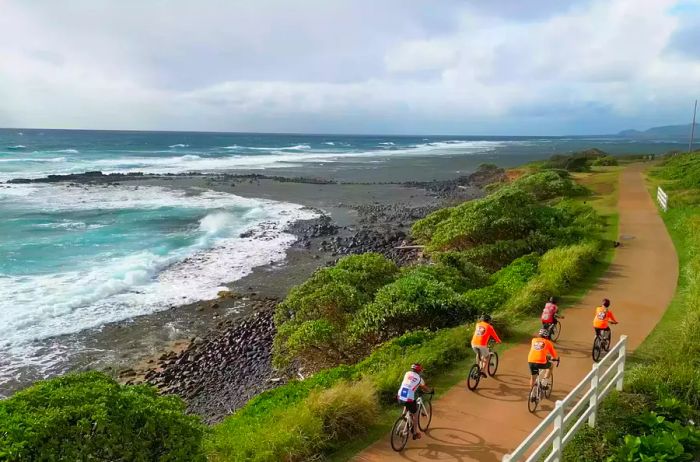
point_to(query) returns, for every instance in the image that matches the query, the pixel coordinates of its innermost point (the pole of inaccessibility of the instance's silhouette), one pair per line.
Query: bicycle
(404, 424)
(475, 372)
(539, 389)
(601, 343)
(555, 329)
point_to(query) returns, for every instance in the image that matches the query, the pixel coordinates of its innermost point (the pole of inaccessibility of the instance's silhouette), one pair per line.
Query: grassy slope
(675, 220)
(604, 183)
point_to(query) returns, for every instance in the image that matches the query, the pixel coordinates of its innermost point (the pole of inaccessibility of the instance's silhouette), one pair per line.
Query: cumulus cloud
(348, 65)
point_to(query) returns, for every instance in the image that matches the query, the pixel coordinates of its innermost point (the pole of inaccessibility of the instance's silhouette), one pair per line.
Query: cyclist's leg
(413, 410)
(477, 352)
(534, 370)
(546, 370)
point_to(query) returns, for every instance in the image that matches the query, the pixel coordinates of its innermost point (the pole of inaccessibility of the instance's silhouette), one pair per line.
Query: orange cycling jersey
(539, 349)
(601, 318)
(482, 333)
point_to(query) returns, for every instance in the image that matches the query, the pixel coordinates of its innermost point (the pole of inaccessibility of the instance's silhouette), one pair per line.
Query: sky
(535, 67)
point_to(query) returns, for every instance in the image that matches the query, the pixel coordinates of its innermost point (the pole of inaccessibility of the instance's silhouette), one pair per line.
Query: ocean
(75, 257)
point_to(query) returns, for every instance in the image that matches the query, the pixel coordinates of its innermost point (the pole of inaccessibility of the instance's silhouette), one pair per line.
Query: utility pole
(692, 128)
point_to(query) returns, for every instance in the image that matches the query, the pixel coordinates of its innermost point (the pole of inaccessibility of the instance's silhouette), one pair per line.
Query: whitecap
(173, 146)
(42, 306)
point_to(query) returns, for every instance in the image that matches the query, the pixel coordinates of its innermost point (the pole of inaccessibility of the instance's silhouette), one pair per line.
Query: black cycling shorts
(598, 330)
(535, 367)
(412, 406)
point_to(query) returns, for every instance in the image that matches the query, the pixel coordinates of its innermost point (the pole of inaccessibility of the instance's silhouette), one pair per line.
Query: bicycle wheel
(425, 416)
(493, 363)
(533, 398)
(474, 377)
(548, 390)
(606, 341)
(597, 349)
(556, 331)
(399, 433)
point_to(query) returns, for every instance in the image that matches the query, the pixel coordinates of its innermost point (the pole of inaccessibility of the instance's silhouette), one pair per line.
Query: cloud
(348, 65)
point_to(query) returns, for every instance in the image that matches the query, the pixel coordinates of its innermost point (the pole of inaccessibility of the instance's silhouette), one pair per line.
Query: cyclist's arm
(611, 316)
(494, 334)
(424, 388)
(551, 351)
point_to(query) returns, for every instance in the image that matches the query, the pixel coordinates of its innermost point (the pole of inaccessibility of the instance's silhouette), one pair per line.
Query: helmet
(417, 368)
(486, 317)
(552, 299)
(606, 302)
(544, 333)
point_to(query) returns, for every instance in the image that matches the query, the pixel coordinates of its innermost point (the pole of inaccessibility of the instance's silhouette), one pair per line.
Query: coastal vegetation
(654, 417)
(91, 417)
(352, 329)
(495, 254)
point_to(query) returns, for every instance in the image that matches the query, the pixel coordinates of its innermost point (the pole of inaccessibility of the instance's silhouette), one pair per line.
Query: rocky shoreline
(219, 373)
(221, 357)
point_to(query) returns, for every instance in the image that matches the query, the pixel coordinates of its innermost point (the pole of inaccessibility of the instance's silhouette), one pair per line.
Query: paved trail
(485, 425)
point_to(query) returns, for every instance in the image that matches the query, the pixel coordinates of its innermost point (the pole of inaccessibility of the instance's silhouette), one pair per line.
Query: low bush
(558, 270)
(575, 162)
(311, 322)
(659, 438)
(459, 280)
(605, 161)
(413, 301)
(89, 416)
(508, 214)
(549, 184)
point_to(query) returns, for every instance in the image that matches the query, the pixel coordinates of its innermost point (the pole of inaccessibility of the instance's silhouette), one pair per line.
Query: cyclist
(550, 314)
(412, 381)
(603, 315)
(483, 332)
(541, 349)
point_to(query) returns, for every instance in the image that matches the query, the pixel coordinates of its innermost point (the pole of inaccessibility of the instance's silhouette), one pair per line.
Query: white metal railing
(662, 198)
(564, 424)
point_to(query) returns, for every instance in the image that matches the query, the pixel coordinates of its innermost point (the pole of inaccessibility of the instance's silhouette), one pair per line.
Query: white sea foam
(19, 146)
(270, 158)
(41, 306)
(69, 151)
(35, 160)
(387, 143)
(329, 143)
(173, 146)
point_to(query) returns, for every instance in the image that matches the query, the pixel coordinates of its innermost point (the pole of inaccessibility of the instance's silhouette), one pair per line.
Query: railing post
(558, 430)
(507, 458)
(621, 367)
(594, 396)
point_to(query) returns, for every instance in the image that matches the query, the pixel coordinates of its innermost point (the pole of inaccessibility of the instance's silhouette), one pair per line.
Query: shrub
(605, 161)
(505, 215)
(346, 410)
(475, 275)
(89, 416)
(558, 269)
(448, 275)
(660, 439)
(312, 320)
(549, 184)
(413, 301)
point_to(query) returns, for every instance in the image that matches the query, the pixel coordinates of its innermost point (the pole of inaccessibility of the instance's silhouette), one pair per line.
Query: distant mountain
(665, 132)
